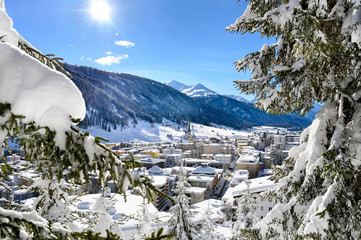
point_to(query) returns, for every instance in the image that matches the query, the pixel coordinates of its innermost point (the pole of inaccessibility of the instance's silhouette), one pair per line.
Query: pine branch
(49, 59)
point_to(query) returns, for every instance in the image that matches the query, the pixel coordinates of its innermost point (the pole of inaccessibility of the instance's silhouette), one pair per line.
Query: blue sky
(162, 40)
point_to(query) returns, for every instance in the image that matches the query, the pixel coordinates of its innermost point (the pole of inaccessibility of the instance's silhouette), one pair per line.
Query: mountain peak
(198, 90)
(177, 85)
(200, 85)
(171, 82)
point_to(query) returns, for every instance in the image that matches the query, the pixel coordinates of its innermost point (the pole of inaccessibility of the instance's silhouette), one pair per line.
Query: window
(270, 208)
(261, 208)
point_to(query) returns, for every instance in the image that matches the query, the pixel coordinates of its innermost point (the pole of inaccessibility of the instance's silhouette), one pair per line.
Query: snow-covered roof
(212, 207)
(174, 155)
(197, 160)
(257, 185)
(247, 158)
(223, 155)
(151, 160)
(155, 170)
(197, 178)
(159, 181)
(209, 203)
(204, 170)
(187, 169)
(196, 190)
(167, 171)
(207, 155)
(240, 177)
(20, 191)
(29, 174)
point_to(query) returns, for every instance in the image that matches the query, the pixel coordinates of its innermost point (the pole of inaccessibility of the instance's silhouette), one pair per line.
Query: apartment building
(249, 162)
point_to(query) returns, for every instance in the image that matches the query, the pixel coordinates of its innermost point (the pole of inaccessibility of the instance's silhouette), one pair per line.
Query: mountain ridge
(259, 118)
(248, 112)
(119, 100)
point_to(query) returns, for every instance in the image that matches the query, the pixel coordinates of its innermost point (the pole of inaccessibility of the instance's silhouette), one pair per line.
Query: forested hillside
(248, 112)
(120, 99)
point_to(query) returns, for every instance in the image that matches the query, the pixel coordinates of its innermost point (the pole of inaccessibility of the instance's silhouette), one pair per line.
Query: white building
(12, 158)
(257, 187)
(171, 150)
(196, 194)
(223, 157)
(238, 177)
(279, 139)
(173, 159)
(200, 181)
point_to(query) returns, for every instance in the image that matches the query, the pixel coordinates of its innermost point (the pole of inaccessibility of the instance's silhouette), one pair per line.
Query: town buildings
(216, 169)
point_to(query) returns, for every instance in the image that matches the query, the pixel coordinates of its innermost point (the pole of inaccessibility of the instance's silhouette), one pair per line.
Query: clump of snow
(353, 21)
(314, 223)
(89, 147)
(34, 90)
(7, 33)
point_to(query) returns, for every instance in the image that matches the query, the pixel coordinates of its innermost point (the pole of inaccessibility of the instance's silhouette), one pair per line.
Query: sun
(100, 10)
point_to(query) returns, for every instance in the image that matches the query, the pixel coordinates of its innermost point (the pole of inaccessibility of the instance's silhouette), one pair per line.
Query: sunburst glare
(100, 10)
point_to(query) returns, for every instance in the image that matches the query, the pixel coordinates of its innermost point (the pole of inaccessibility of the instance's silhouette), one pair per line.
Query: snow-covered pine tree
(39, 108)
(145, 219)
(245, 214)
(316, 59)
(208, 230)
(181, 222)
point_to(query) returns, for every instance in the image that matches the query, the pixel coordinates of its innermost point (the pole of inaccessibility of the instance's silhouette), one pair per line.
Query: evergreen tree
(277, 156)
(50, 139)
(245, 214)
(208, 231)
(227, 210)
(181, 222)
(316, 59)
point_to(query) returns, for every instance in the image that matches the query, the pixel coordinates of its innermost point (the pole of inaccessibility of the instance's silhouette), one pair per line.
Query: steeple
(189, 133)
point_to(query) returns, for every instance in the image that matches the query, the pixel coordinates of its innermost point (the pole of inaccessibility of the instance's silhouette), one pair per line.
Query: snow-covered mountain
(118, 100)
(198, 90)
(238, 98)
(177, 85)
(206, 95)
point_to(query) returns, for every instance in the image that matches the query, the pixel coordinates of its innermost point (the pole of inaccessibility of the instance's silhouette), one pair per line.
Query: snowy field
(165, 132)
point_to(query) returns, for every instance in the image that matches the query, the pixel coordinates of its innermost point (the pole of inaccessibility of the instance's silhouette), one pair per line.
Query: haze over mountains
(118, 100)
